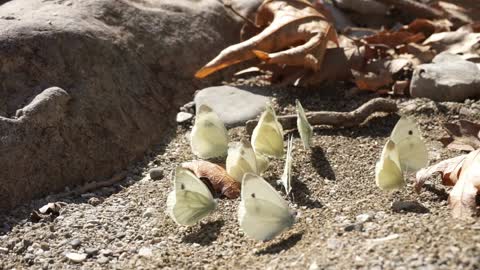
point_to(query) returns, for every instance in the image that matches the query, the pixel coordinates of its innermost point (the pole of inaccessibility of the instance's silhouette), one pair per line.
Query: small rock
(354, 227)
(106, 252)
(156, 173)
(364, 218)
(103, 260)
(409, 206)
(3, 250)
(76, 257)
(44, 246)
(233, 105)
(333, 243)
(314, 266)
(94, 201)
(148, 212)
(75, 243)
(145, 252)
(183, 117)
(91, 251)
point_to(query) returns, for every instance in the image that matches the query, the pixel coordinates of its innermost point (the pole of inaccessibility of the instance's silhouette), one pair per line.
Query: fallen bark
(336, 119)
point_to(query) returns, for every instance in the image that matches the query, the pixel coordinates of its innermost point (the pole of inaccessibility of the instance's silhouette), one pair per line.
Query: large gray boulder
(87, 86)
(448, 78)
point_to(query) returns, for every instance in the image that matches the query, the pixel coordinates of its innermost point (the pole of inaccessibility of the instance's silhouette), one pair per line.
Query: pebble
(145, 252)
(75, 243)
(76, 257)
(94, 201)
(314, 266)
(91, 251)
(362, 218)
(3, 250)
(103, 260)
(409, 206)
(156, 173)
(183, 117)
(354, 227)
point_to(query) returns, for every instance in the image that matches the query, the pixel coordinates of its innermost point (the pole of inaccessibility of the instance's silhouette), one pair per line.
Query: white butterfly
(388, 173)
(304, 128)
(262, 163)
(413, 153)
(191, 200)
(263, 213)
(241, 159)
(209, 137)
(287, 170)
(267, 137)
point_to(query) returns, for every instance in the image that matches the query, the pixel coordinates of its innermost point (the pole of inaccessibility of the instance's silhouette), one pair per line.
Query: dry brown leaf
(371, 81)
(294, 33)
(462, 197)
(217, 176)
(463, 173)
(462, 41)
(464, 136)
(449, 170)
(428, 27)
(394, 39)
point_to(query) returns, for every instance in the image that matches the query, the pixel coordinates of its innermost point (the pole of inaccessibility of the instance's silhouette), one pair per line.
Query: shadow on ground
(284, 244)
(207, 233)
(321, 163)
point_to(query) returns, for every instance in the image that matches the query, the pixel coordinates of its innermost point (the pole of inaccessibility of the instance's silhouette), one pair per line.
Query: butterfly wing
(209, 137)
(263, 214)
(262, 163)
(286, 179)
(303, 126)
(267, 137)
(388, 175)
(413, 153)
(240, 160)
(191, 200)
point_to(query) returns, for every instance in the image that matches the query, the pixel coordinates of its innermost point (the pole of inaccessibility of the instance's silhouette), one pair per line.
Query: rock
(75, 243)
(183, 117)
(91, 251)
(447, 78)
(409, 206)
(148, 212)
(366, 7)
(362, 218)
(3, 250)
(156, 173)
(314, 266)
(145, 252)
(103, 260)
(123, 71)
(76, 257)
(354, 227)
(233, 105)
(95, 201)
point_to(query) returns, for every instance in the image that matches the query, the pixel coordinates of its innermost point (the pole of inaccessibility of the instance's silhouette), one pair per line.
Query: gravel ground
(344, 221)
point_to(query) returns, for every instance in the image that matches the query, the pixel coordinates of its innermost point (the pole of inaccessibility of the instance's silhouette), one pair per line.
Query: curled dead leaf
(449, 170)
(464, 136)
(215, 176)
(371, 81)
(294, 33)
(462, 197)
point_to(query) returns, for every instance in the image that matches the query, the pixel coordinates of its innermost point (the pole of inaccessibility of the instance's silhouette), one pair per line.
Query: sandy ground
(333, 184)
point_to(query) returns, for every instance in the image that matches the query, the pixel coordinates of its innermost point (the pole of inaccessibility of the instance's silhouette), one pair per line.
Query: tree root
(336, 119)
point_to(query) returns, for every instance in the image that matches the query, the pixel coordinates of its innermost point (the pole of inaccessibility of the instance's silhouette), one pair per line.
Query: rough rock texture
(447, 78)
(120, 71)
(233, 105)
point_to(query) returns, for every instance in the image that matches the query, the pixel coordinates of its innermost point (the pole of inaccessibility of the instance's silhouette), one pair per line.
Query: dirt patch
(333, 184)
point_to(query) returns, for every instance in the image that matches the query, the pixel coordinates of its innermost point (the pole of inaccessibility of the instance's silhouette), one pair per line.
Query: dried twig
(416, 8)
(227, 4)
(337, 119)
(92, 185)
